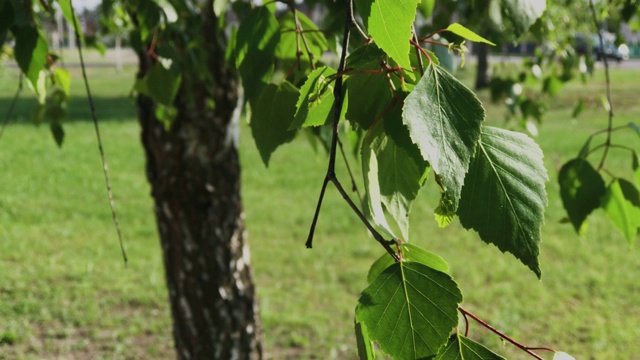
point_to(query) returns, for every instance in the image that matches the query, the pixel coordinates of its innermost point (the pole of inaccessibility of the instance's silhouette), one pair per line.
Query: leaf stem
(103, 158)
(528, 350)
(422, 50)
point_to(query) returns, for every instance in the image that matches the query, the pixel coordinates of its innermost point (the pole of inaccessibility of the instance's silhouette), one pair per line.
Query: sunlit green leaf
(72, 18)
(63, 79)
(409, 252)
(581, 188)
(444, 117)
(271, 117)
(463, 348)
(410, 310)
(503, 197)
(390, 24)
(315, 104)
(291, 41)
(30, 53)
(621, 203)
(467, 34)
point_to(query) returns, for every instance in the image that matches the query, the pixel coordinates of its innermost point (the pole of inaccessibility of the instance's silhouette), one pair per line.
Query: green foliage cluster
(406, 116)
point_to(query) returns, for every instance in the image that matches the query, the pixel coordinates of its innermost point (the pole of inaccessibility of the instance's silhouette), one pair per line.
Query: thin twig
(415, 38)
(466, 324)
(608, 83)
(105, 166)
(337, 109)
(12, 106)
(354, 187)
(354, 22)
(331, 168)
(528, 350)
(300, 34)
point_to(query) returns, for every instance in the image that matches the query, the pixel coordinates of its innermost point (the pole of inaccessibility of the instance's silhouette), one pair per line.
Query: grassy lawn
(64, 292)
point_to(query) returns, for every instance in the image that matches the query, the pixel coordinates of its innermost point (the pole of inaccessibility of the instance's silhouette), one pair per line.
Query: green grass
(65, 293)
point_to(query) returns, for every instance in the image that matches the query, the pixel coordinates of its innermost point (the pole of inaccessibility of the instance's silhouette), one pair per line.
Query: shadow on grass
(116, 108)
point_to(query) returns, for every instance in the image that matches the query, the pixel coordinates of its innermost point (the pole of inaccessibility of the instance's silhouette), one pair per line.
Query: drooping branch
(331, 173)
(526, 349)
(94, 117)
(607, 82)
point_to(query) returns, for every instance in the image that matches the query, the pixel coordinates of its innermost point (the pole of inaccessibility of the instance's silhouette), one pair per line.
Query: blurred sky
(89, 4)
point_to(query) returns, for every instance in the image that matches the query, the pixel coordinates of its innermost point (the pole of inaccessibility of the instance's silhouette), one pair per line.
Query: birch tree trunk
(194, 172)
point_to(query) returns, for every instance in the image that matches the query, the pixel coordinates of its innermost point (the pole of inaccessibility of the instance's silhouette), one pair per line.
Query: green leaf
(256, 42)
(426, 7)
(503, 197)
(362, 110)
(401, 170)
(65, 6)
(31, 54)
(521, 14)
(62, 78)
(467, 34)
(462, 348)
(410, 310)
(578, 108)
(271, 116)
(288, 46)
(444, 117)
(410, 252)
(621, 203)
(390, 24)
(6, 20)
(160, 84)
(365, 346)
(634, 127)
(58, 132)
(315, 104)
(373, 198)
(581, 188)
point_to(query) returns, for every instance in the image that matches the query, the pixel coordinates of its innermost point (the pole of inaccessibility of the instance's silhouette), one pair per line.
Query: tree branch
(528, 350)
(331, 169)
(608, 83)
(105, 166)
